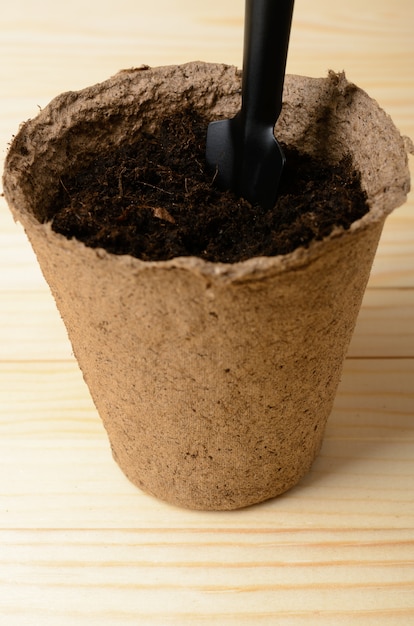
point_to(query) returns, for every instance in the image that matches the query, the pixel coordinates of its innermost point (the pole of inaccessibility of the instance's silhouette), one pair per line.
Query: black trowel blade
(251, 165)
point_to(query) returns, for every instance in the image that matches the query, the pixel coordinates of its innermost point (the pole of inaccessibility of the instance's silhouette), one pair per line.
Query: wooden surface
(79, 544)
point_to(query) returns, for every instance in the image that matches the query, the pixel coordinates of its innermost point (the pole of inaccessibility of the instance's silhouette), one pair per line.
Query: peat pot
(214, 381)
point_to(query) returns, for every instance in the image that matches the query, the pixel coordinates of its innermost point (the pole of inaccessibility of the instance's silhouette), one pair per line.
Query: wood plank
(203, 576)
(68, 53)
(57, 471)
(50, 399)
(20, 269)
(384, 327)
(394, 261)
(31, 328)
(393, 264)
(79, 545)
(46, 399)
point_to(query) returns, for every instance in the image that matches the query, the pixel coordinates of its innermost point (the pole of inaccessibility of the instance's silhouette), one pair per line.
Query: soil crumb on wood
(155, 200)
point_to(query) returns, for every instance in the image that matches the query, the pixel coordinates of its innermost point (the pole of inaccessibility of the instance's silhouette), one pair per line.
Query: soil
(155, 200)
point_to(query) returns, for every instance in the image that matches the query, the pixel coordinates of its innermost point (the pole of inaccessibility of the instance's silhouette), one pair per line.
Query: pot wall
(214, 381)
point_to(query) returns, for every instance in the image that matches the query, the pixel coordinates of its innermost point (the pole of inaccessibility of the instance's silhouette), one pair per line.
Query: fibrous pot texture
(214, 381)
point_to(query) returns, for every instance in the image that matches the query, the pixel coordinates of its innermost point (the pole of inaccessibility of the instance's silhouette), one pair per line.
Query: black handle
(266, 41)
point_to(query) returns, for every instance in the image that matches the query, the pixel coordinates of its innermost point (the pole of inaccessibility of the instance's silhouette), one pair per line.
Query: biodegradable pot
(214, 381)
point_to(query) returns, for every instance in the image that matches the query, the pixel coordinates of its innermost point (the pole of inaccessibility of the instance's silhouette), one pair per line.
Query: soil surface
(155, 200)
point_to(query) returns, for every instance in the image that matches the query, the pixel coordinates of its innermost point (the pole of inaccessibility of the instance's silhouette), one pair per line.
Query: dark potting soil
(155, 200)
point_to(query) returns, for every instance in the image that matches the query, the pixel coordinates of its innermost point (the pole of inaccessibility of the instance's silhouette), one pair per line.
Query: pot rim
(57, 112)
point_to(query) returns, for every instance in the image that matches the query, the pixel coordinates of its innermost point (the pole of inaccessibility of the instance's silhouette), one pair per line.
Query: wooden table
(81, 546)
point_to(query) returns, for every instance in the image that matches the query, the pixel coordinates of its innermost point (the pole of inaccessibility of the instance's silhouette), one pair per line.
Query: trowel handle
(266, 40)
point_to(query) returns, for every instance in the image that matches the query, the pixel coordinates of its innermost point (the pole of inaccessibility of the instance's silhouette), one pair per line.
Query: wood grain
(55, 453)
(238, 577)
(78, 543)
